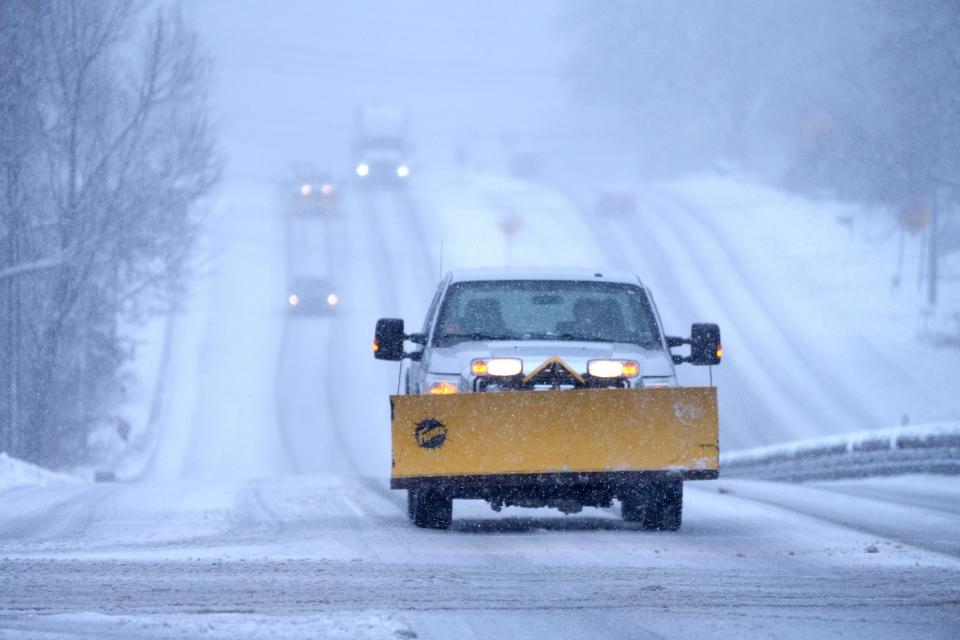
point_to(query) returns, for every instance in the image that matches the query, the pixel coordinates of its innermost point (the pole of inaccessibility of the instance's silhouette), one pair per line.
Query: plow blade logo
(430, 433)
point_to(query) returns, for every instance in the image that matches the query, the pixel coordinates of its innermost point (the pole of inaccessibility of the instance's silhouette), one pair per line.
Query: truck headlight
(497, 367)
(613, 368)
(363, 169)
(403, 171)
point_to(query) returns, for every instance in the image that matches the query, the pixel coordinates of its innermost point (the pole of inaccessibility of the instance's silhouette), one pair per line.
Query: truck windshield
(546, 310)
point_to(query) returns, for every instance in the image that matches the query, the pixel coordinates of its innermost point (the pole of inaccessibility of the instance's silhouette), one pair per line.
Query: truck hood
(456, 359)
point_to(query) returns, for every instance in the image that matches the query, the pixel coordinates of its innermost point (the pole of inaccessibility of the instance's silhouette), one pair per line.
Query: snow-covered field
(263, 510)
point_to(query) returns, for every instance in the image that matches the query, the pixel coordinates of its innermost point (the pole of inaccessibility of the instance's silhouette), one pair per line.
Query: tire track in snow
(830, 386)
(894, 372)
(897, 522)
(772, 391)
(67, 519)
(653, 264)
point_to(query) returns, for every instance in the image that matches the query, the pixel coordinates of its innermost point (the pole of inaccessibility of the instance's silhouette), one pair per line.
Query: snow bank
(356, 625)
(916, 436)
(15, 473)
(930, 448)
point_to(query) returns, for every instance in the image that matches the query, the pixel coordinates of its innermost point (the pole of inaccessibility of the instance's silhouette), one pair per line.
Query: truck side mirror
(388, 339)
(705, 346)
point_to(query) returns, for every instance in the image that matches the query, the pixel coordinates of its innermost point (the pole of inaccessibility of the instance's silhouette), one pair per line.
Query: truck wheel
(411, 503)
(665, 511)
(430, 510)
(658, 507)
(632, 506)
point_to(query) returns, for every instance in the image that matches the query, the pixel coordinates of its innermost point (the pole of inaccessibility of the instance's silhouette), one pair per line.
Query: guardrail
(932, 448)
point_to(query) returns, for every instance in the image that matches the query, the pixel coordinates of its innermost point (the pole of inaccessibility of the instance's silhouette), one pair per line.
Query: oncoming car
(315, 193)
(548, 388)
(312, 296)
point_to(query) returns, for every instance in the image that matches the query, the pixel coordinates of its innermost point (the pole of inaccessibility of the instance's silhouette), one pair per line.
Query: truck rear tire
(657, 507)
(429, 509)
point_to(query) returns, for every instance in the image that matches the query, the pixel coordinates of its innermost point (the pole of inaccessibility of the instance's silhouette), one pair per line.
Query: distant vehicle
(380, 147)
(548, 388)
(614, 200)
(315, 193)
(312, 296)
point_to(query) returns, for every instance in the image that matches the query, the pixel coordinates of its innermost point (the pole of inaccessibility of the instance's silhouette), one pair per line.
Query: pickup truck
(548, 388)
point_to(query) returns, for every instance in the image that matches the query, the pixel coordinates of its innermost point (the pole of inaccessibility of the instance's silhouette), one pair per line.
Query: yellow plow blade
(538, 432)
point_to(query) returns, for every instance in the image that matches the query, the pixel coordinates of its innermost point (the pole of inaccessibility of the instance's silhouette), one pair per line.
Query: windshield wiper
(578, 338)
(462, 337)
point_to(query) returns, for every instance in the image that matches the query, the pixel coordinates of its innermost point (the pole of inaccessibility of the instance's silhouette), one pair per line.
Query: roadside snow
(15, 473)
(219, 413)
(361, 625)
(848, 441)
(827, 294)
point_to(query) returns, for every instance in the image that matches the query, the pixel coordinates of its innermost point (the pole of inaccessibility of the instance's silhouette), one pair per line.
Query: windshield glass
(546, 310)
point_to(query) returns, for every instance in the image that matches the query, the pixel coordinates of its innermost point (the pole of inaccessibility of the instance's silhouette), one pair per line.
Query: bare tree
(126, 151)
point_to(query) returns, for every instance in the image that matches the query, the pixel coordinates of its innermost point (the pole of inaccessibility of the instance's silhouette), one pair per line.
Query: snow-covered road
(266, 511)
(145, 556)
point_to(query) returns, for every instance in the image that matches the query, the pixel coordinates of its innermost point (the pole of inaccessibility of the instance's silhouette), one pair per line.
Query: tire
(429, 509)
(632, 506)
(411, 503)
(657, 507)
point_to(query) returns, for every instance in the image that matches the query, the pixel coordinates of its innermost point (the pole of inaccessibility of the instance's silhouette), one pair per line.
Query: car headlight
(294, 299)
(403, 171)
(441, 385)
(332, 299)
(613, 368)
(306, 189)
(497, 367)
(363, 169)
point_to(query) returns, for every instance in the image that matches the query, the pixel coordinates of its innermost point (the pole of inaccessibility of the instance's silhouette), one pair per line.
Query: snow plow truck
(548, 388)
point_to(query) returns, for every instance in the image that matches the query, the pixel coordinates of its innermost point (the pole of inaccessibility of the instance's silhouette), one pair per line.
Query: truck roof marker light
(443, 388)
(497, 367)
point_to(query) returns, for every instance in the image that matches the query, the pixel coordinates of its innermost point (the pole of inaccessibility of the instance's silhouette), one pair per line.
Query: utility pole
(932, 252)
(14, 337)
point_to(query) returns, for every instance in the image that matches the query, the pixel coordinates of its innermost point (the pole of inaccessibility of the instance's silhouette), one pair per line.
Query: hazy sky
(290, 75)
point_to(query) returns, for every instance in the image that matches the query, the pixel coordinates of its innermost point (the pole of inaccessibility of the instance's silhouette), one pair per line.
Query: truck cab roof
(541, 273)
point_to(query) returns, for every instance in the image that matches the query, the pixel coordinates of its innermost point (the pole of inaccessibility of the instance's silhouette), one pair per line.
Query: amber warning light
(443, 388)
